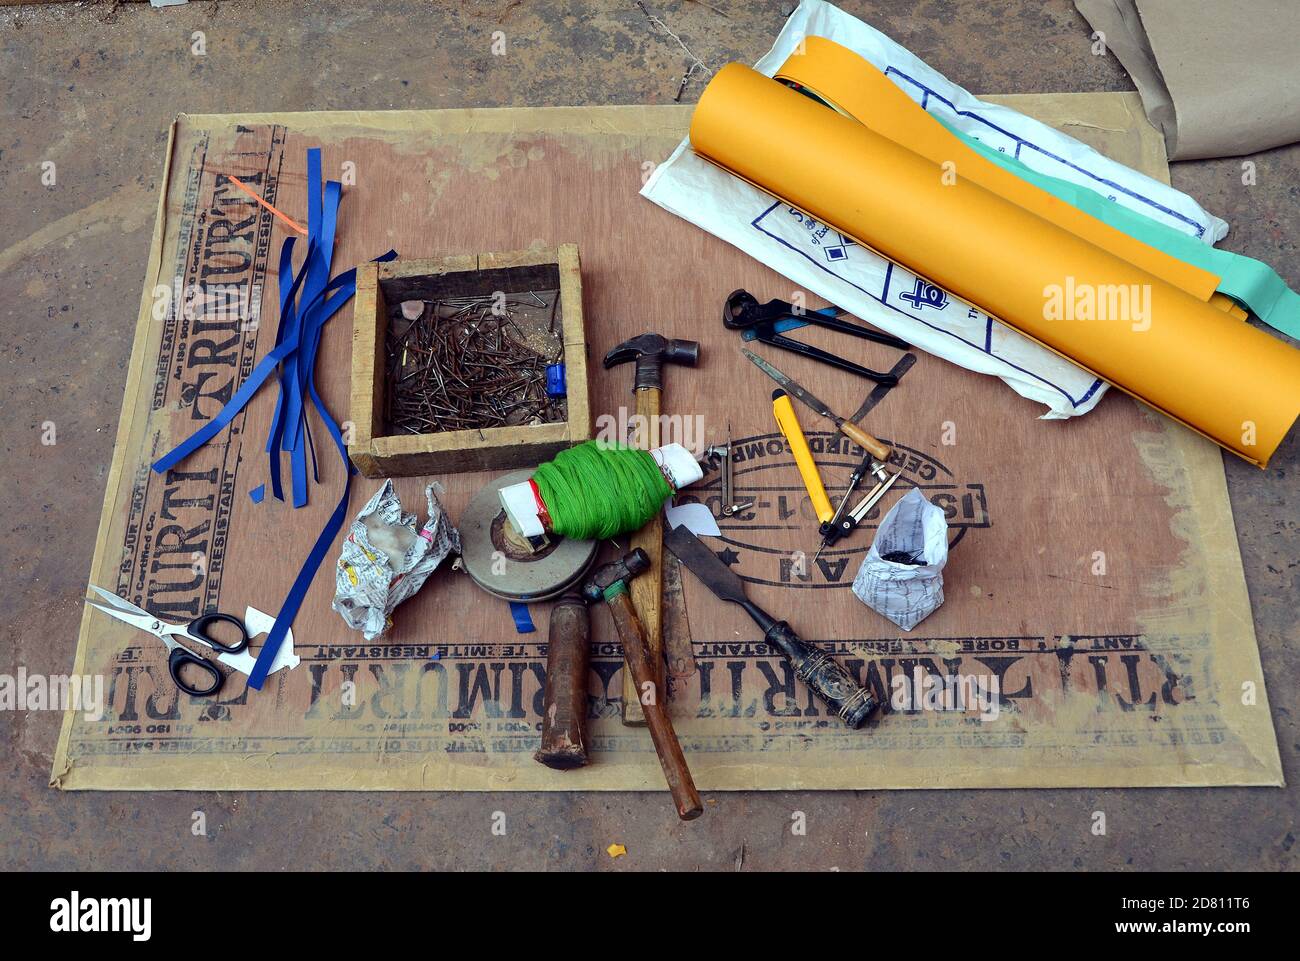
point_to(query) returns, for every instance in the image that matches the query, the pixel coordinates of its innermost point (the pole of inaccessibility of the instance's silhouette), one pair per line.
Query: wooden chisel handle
(864, 440)
(637, 656)
(564, 703)
(825, 676)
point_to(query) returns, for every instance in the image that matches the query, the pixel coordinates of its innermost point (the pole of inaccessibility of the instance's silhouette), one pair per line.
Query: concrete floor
(93, 87)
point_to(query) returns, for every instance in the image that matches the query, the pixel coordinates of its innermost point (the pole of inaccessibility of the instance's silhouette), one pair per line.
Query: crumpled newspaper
(908, 587)
(385, 559)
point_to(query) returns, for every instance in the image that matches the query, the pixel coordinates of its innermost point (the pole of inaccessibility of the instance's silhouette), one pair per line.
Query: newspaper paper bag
(906, 593)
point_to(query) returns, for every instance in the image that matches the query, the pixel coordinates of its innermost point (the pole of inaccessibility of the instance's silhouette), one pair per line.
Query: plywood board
(1094, 568)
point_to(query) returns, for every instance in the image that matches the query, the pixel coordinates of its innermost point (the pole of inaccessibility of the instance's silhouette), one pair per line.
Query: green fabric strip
(1251, 283)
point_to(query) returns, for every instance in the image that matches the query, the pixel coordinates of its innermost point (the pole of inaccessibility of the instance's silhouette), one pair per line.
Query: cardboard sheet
(1093, 571)
(1220, 80)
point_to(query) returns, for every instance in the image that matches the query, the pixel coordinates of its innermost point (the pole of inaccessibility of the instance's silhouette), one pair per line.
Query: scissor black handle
(181, 657)
(199, 628)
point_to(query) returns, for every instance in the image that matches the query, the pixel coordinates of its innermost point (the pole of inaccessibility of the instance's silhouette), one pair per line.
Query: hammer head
(651, 352)
(607, 575)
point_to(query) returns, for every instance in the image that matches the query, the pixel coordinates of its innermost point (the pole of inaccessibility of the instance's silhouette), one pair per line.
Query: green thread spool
(596, 490)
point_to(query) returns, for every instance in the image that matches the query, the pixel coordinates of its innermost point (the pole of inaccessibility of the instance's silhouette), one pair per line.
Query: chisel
(852, 703)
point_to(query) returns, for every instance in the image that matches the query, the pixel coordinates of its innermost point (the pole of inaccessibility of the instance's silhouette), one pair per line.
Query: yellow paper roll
(1231, 382)
(854, 86)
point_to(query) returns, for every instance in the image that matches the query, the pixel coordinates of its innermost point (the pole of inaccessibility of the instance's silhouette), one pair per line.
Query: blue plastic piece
(555, 380)
(786, 324)
(293, 360)
(523, 620)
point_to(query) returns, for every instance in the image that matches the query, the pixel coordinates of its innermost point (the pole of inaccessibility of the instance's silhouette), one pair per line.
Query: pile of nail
(465, 363)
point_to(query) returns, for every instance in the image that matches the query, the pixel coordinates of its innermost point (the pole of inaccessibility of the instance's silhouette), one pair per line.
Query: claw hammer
(650, 352)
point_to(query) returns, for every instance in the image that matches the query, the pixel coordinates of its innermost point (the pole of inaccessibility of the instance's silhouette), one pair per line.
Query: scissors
(769, 322)
(179, 656)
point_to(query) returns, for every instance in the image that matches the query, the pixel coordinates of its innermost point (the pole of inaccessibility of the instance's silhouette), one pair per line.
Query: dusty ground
(93, 88)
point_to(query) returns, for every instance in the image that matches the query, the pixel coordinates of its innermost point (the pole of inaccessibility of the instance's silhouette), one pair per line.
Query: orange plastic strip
(240, 184)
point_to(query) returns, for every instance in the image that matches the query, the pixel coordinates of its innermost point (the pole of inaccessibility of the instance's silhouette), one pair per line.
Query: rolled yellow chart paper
(854, 86)
(1227, 380)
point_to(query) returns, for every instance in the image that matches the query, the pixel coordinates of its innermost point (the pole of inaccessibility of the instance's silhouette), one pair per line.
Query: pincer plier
(767, 323)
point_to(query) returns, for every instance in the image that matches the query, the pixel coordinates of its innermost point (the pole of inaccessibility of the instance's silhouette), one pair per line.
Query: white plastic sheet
(385, 558)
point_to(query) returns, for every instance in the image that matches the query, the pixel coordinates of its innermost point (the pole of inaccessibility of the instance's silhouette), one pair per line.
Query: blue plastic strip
(288, 321)
(321, 219)
(224, 416)
(317, 260)
(523, 621)
(317, 277)
(297, 593)
(286, 282)
(345, 283)
(258, 493)
(307, 302)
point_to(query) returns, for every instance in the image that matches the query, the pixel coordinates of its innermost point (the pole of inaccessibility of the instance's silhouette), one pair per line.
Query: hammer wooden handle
(564, 704)
(647, 590)
(864, 440)
(651, 697)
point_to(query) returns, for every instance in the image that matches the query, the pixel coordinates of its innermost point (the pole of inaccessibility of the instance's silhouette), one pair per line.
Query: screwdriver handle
(864, 440)
(784, 413)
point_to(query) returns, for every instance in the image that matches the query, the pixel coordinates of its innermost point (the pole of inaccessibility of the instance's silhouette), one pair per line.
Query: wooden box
(381, 287)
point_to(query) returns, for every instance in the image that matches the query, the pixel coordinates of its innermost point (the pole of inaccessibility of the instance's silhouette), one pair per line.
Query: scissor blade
(794, 388)
(144, 622)
(119, 602)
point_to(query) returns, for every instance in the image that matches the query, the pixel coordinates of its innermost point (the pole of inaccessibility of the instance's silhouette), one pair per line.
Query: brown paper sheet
(1219, 80)
(1094, 569)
